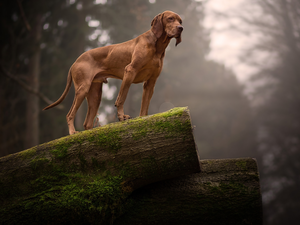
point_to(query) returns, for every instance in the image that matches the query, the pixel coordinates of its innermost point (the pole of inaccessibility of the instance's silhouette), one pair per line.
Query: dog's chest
(151, 69)
(156, 62)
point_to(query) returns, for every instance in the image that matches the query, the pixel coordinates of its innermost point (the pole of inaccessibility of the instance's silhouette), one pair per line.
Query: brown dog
(135, 61)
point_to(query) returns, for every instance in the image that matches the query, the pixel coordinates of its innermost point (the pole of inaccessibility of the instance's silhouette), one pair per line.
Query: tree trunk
(32, 106)
(224, 192)
(85, 178)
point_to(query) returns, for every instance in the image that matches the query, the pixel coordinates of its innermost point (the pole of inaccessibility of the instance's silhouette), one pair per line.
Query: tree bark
(224, 192)
(85, 178)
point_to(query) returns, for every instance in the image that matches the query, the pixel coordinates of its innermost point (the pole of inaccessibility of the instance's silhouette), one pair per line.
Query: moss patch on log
(64, 193)
(78, 198)
(29, 153)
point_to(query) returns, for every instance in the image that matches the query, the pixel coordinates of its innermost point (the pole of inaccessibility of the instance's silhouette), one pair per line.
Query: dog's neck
(161, 43)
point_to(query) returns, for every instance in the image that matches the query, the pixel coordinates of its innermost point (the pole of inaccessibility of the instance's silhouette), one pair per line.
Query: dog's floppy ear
(157, 25)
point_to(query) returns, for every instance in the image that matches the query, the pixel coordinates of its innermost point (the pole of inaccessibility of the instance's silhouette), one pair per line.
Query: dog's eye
(180, 21)
(171, 18)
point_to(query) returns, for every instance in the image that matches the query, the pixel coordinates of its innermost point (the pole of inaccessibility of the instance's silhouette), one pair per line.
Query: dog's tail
(62, 97)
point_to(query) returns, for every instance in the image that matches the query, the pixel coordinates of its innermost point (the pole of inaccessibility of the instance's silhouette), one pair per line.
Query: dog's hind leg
(93, 99)
(80, 94)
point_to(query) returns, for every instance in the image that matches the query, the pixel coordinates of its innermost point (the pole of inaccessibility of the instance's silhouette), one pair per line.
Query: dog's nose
(180, 28)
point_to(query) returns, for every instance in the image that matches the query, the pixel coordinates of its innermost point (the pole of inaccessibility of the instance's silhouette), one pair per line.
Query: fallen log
(85, 178)
(225, 192)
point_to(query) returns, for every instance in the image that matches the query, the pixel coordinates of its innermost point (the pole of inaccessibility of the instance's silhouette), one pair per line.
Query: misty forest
(257, 118)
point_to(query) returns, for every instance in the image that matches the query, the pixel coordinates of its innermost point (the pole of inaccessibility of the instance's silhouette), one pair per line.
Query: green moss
(172, 128)
(47, 182)
(110, 139)
(60, 152)
(26, 154)
(178, 111)
(80, 200)
(241, 164)
(161, 123)
(61, 146)
(141, 134)
(37, 164)
(59, 196)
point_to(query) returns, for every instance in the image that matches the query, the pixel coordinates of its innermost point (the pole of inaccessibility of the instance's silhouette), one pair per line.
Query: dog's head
(168, 22)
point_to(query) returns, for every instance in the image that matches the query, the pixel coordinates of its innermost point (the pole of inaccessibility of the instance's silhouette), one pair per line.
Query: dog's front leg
(148, 89)
(128, 78)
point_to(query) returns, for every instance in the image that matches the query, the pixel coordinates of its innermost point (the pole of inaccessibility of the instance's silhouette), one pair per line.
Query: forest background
(259, 118)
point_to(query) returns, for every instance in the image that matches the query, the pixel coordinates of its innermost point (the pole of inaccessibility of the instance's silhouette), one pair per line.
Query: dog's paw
(126, 117)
